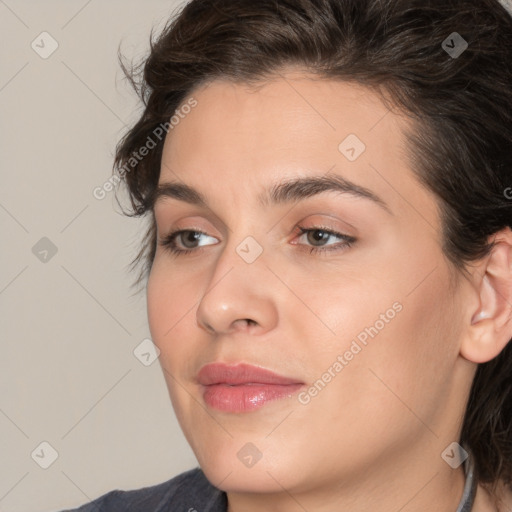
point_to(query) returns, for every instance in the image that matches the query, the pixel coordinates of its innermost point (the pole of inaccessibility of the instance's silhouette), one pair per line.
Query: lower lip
(245, 397)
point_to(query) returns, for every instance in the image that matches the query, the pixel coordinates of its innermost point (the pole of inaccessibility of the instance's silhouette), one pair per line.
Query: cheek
(159, 306)
(411, 360)
(169, 306)
(397, 342)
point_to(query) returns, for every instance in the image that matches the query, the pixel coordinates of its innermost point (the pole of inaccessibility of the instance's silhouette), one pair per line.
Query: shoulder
(187, 492)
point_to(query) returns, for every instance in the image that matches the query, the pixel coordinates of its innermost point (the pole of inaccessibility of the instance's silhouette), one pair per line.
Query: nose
(239, 297)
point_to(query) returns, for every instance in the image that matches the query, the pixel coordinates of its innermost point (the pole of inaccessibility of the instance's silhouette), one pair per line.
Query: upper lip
(242, 373)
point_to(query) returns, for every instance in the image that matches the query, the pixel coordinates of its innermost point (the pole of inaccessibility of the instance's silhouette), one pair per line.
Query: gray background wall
(69, 325)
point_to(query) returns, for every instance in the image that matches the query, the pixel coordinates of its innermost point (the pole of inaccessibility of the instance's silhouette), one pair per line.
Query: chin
(239, 466)
(233, 478)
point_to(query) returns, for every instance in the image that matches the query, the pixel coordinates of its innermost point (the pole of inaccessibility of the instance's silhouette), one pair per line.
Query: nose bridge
(244, 243)
(237, 289)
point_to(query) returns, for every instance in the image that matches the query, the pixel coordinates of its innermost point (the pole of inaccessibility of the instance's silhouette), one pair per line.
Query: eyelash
(169, 242)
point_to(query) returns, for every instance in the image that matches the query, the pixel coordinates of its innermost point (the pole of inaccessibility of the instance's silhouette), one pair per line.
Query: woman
(329, 256)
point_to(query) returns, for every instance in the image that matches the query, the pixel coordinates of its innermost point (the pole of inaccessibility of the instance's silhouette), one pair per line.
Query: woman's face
(356, 315)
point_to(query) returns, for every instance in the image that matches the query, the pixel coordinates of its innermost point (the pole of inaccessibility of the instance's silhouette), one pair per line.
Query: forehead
(292, 125)
(290, 110)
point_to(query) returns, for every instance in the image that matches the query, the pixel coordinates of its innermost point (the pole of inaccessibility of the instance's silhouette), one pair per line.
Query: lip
(243, 387)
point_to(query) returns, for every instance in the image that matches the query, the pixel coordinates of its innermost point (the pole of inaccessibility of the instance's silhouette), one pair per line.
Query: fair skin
(372, 438)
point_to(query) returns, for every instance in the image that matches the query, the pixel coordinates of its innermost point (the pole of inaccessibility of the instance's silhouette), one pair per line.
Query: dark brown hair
(460, 107)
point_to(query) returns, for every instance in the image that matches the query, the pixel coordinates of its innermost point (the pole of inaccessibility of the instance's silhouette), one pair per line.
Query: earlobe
(491, 322)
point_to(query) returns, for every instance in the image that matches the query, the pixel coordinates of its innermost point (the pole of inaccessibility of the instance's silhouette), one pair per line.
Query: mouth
(243, 387)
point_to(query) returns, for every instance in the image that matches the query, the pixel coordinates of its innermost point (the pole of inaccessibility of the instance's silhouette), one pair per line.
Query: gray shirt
(187, 492)
(192, 492)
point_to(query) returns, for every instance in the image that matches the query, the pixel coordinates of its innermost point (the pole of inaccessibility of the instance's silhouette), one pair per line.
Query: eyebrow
(280, 193)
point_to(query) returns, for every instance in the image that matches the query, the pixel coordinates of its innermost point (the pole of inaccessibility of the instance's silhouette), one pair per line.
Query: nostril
(245, 322)
(208, 327)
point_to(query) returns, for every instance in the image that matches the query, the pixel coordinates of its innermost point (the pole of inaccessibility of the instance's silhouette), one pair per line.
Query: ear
(491, 319)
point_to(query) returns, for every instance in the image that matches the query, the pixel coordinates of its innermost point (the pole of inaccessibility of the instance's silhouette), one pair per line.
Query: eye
(318, 236)
(171, 241)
